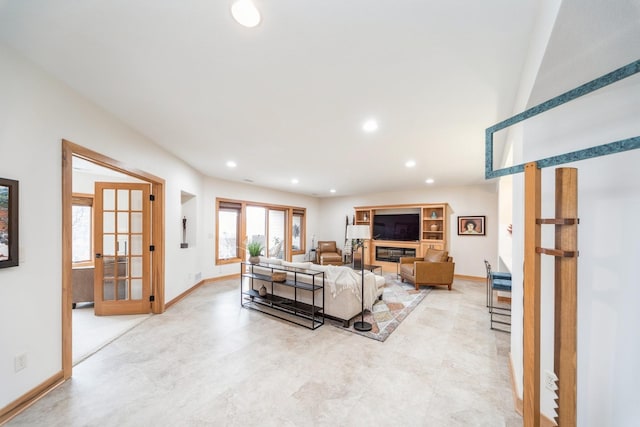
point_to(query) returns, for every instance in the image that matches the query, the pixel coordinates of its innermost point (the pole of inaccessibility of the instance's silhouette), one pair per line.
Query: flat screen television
(401, 227)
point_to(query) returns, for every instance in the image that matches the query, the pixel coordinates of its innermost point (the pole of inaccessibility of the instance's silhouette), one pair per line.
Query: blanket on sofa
(341, 279)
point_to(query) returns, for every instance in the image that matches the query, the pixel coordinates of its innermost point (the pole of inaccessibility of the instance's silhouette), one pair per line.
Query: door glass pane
(123, 245)
(108, 199)
(136, 222)
(296, 243)
(109, 244)
(123, 200)
(136, 289)
(136, 200)
(123, 289)
(123, 271)
(109, 222)
(136, 266)
(123, 222)
(276, 234)
(257, 226)
(136, 244)
(107, 290)
(109, 264)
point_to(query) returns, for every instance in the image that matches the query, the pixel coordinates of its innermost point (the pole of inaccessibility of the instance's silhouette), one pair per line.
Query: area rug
(398, 301)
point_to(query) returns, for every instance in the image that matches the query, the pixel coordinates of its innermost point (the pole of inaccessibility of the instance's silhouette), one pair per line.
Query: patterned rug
(398, 301)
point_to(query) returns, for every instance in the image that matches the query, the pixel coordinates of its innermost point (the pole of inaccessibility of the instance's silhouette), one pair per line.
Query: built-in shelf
(434, 227)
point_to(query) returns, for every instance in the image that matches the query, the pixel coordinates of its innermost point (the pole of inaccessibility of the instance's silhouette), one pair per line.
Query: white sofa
(342, 286)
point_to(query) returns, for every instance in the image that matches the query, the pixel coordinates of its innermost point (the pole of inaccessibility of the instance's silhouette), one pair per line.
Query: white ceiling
(287, 99)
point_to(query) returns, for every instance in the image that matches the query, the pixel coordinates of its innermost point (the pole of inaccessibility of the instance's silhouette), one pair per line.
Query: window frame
(241, 206)
(301, 213)
(230, 205)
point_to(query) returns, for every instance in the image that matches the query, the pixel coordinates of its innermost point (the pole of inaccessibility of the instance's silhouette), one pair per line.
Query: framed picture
(471, 226)
(8, 223)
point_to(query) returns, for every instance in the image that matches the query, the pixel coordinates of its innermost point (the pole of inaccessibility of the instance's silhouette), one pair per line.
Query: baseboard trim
(197, 285)
(26, 400)
(519, 404)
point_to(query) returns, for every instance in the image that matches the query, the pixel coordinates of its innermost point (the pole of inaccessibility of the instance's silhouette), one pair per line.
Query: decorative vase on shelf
(254, 259)
(434, 214)
(434, 227)
(262, 291)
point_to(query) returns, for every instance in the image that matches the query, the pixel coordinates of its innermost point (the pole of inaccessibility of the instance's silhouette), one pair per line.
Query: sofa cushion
(303, 265)
(435, 255)
(272, 261)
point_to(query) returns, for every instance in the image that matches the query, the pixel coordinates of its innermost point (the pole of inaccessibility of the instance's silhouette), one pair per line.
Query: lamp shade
(358, 232)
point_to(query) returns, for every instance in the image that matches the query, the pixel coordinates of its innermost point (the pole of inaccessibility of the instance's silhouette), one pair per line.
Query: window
(229, 215)
(280, 230)
(297, 232)
(82, 229)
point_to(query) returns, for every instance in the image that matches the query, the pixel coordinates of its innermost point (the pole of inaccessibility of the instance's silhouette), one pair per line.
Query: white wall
(608, 292)
(608, 199)
(36, 113)
(468, 251)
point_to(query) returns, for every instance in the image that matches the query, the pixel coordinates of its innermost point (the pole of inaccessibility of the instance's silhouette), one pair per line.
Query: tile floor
(208, 362)
(91, 332)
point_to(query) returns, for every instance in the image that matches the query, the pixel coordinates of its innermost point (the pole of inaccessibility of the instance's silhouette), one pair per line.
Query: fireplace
(391, 254)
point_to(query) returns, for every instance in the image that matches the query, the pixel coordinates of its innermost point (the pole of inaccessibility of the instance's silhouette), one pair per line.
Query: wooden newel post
(531, 298)
(566, 295)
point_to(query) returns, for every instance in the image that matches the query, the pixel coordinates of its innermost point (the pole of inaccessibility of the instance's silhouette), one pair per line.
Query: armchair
(435, 268)
(328, 253)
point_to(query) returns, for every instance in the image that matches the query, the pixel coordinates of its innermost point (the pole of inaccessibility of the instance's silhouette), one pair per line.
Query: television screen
(402, 227)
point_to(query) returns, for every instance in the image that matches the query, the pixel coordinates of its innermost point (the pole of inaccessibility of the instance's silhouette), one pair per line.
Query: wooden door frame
(69, 150)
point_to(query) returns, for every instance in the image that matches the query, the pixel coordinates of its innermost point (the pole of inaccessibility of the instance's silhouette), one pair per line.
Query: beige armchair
(435, 268)
(328, 253)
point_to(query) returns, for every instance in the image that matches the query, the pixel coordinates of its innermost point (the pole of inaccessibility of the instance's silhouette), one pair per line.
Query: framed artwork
(471, 225)
(8, 223)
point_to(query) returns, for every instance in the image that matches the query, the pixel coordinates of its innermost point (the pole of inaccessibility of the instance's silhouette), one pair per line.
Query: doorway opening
(81, 169)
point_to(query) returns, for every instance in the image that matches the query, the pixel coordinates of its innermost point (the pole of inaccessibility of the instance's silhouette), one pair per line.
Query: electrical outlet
(550, 381)
(20, 362)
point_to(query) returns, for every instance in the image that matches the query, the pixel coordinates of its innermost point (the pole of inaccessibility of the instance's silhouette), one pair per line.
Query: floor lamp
(360, 233)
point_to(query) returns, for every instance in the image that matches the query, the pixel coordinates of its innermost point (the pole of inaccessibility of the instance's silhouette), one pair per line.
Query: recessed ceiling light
(245, 13)
(333, 190)
(231, 164)
(370, 126)
(294, 180)
(430, 181)
(410, 163)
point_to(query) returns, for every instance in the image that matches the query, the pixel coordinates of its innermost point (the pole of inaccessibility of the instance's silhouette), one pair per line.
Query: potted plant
(255, 249)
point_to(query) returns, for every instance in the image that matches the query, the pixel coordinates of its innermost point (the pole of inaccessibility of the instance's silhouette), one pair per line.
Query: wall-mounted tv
(401, 227)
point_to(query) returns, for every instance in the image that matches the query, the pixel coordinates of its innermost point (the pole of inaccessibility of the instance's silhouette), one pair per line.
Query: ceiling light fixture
(410, 163)
(333, 190)
(245, 13)
(430, 181)
(370, 126)
(231, 164)
(294, 180)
